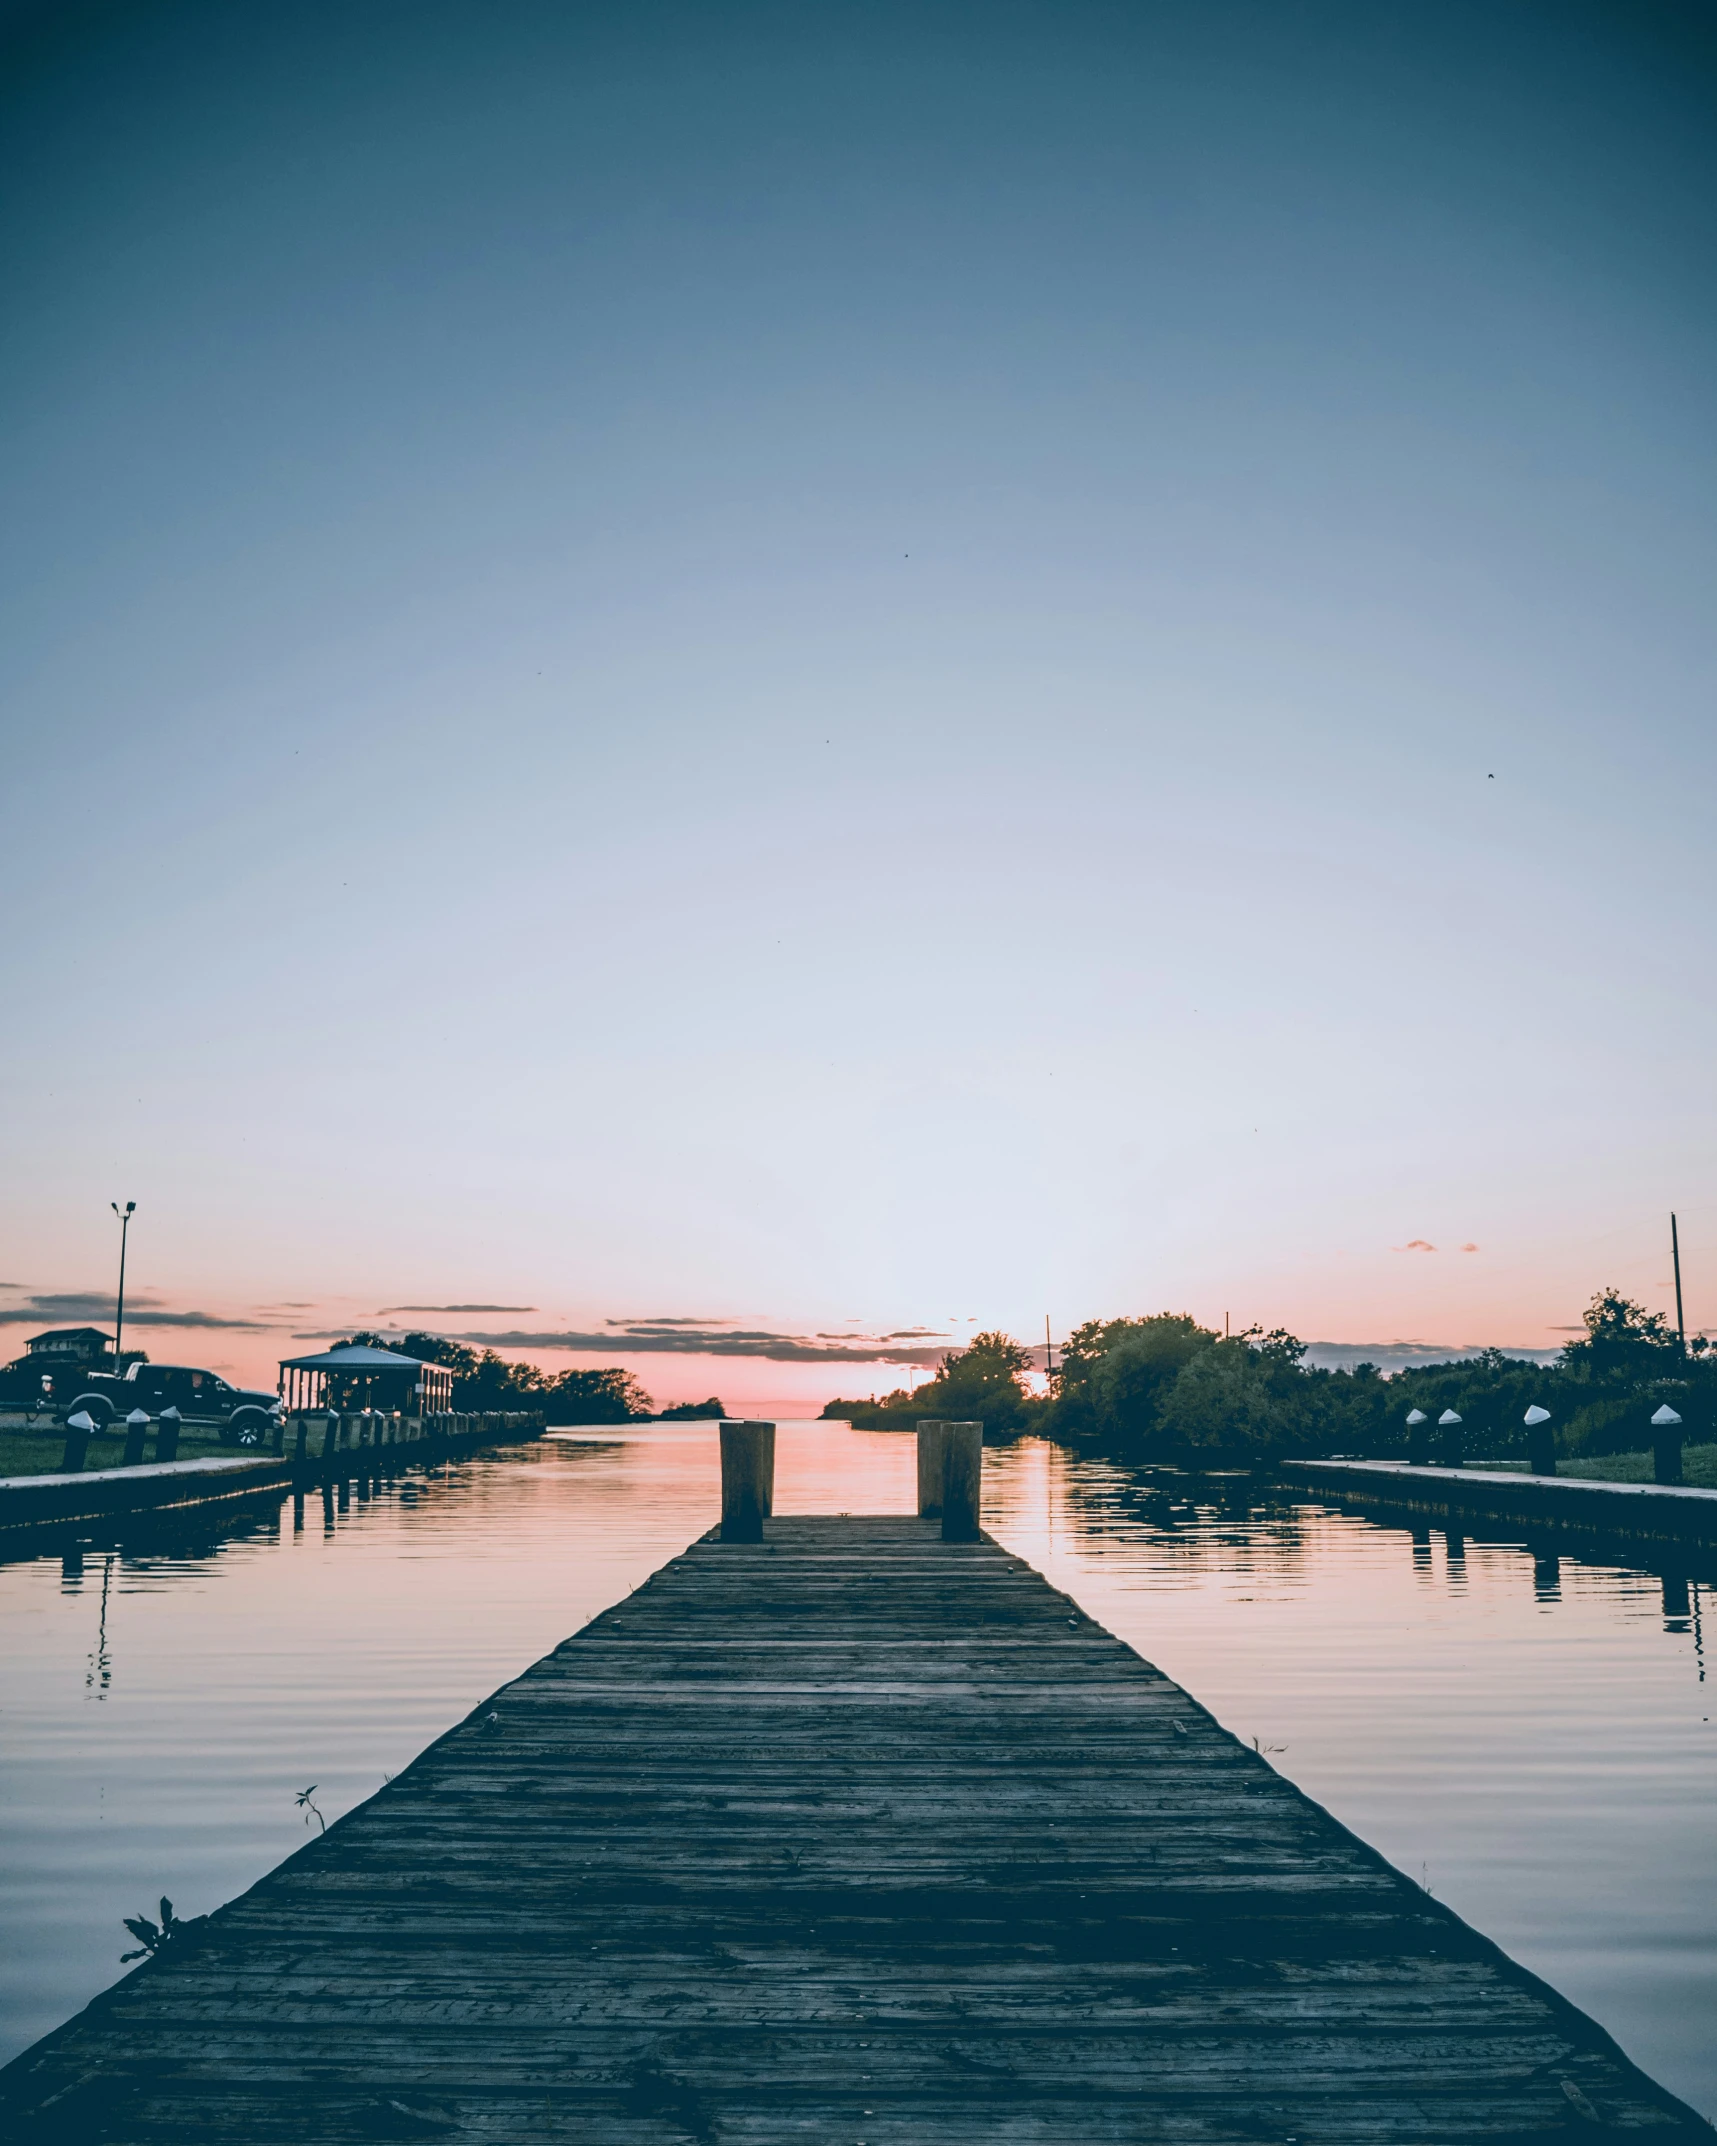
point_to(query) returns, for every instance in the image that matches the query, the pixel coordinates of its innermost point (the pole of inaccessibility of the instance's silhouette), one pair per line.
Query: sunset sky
(817, 671)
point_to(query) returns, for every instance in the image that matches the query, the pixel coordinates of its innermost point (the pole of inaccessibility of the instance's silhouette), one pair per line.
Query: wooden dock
(852, 1837)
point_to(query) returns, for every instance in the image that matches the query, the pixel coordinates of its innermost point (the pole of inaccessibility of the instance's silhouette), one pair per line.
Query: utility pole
(119, 1311)
(1675, 1254)
(1048, 1351)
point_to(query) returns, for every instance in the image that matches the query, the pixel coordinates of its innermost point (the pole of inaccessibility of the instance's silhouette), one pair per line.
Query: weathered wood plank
(847, 1835)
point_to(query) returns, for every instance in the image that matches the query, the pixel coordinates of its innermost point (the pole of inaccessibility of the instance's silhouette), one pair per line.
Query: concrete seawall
(1653, 1512)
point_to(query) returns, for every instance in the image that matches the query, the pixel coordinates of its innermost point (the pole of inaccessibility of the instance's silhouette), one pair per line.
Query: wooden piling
(962, 1481)
(930, 1469)
(78, 1431)
(747, 1480)
(136, 1431)
(1666, 1435)
(167, 1435)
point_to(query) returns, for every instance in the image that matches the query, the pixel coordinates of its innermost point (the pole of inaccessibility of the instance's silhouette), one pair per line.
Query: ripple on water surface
(1528, 1733)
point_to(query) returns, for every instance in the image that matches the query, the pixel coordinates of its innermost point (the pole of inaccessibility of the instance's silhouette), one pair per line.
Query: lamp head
(129, 1210)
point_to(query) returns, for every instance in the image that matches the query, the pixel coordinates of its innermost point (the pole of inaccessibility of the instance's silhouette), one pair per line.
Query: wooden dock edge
(1649, 1512)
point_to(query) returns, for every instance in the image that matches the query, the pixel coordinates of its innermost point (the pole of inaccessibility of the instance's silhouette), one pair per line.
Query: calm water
(1530, 1737)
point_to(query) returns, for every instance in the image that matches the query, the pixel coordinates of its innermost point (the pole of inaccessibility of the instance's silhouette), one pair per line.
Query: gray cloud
(629, 1323)
(197, 1318)
(89, 1306)
(681, 1341)
(72, 1304)
(1393, 1356)
(388, 1310)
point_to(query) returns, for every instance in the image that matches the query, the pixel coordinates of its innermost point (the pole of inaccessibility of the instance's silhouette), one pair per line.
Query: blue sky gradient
(959, 661)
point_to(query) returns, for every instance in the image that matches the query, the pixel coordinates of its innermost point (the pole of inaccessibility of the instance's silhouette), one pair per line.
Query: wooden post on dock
(331, 1436)
(1540, 1441)
(300, 1440)
(136, 1430)
(930, 1469)
(1450, 1426)
(747, 1480)
(167, 1429)
(78, 1430)
(1666, 1446)
(962, 1481)
(1418, 1439)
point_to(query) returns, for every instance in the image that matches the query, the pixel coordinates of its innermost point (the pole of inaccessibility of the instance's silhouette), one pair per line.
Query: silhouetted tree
(610, 1396)
(980, 1383)
(1115, 1372)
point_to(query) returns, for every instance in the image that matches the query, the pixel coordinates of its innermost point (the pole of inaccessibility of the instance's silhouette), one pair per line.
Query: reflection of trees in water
(1206, 1523)
(1242, 1527)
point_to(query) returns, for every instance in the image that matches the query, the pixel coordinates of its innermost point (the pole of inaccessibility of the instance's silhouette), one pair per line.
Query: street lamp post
(119, 1310)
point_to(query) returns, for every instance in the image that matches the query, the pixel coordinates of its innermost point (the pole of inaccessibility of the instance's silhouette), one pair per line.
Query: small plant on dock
(151, 1936)
(308, 1808)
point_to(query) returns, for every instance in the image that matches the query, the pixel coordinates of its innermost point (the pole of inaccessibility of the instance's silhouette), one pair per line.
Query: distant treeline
(1166, 1388)
(483, 1381)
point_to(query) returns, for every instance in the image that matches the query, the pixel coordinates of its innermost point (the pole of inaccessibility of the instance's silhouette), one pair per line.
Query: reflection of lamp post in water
(119, 1309)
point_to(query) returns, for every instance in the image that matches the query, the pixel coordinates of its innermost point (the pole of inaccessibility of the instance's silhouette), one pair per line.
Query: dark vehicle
(243, 1416)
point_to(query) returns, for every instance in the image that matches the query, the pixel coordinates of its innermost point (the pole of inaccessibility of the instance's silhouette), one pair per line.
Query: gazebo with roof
(355, 1375)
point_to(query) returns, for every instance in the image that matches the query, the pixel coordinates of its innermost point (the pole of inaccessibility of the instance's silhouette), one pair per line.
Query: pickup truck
(242, 1415)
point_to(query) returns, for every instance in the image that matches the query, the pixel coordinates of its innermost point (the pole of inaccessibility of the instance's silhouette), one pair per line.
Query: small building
(67, 1345)
(357, 1376)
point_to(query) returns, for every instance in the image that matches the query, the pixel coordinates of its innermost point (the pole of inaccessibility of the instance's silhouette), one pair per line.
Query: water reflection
(99, 1674)
(1523, 1724)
